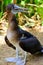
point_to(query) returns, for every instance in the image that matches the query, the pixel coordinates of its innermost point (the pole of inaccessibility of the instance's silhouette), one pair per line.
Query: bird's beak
(17, 9)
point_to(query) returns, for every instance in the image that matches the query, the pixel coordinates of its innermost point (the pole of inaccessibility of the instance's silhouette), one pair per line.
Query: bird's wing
(25, 33)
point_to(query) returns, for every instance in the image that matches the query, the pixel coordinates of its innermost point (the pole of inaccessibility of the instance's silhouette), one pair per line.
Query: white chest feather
(12, 37)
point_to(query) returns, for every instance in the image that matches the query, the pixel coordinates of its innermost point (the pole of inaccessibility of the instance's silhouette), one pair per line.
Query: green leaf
(18, 1)
(27, 1)
(42, 22)
(1, 13)
(40, 11)
(23, 3)
(6, 2)
(31, 11)
(38, 1)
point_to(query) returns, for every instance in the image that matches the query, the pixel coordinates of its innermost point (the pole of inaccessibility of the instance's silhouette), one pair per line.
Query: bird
(18, 38)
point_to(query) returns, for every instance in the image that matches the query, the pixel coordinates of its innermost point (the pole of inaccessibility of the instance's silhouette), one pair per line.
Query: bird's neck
(13, 24)
(12, 27)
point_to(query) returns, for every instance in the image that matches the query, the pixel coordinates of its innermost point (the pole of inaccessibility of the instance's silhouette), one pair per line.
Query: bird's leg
(17, 53)
(21, 57)
(25, 56)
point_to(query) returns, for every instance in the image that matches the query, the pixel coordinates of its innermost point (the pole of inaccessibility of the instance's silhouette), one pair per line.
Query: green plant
(3, 5)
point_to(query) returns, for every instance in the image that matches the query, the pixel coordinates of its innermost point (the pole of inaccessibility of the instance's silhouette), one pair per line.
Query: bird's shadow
(33, 58)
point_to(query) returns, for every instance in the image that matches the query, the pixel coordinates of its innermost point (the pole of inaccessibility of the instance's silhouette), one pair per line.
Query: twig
(29, 19)
(34, 5)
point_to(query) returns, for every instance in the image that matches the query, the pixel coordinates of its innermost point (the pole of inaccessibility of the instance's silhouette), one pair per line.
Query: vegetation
(35, 12)
(3, 4)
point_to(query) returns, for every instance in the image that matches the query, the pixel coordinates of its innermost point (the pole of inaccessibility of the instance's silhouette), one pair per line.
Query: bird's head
(13, 9)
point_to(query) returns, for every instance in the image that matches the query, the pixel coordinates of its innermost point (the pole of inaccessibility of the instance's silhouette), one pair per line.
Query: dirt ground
(6, 51)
